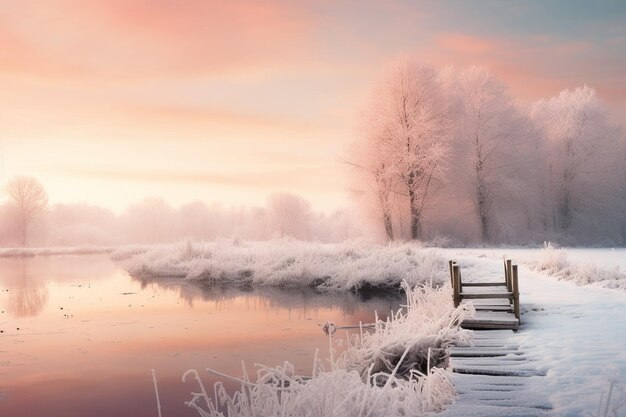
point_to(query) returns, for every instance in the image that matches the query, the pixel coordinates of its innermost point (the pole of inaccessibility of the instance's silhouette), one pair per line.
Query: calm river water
(80, 337)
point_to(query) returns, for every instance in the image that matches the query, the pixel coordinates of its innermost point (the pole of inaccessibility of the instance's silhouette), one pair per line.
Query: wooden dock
(496, 303)
(493, 376)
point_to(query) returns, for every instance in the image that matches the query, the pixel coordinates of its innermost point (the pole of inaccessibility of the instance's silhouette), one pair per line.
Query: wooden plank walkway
(493, 376)
(496, 303)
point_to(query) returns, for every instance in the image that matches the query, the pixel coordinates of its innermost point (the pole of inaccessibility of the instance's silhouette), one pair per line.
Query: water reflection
(302, 300)
(25, 297)
(82, 336)
(24, 280)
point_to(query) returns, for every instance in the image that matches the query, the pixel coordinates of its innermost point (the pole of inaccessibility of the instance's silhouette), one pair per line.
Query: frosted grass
(333, 267)
(555, 262)
(397, 369)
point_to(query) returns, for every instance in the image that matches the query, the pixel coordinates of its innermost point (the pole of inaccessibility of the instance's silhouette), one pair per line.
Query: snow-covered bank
(395, 370)
(345, 266)
(43, 251)
(575, 334)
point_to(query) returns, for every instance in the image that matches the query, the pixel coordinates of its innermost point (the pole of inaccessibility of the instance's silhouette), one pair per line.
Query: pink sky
(109, 102)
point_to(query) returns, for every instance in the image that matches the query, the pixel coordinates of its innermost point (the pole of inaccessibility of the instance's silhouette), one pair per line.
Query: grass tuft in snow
(554, 261)
(394, 370)
(427, 323)
(334, 267)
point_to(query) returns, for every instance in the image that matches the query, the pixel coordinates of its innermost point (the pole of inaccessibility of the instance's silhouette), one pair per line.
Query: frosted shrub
(394, 370)
(552, 259)
(554, 262)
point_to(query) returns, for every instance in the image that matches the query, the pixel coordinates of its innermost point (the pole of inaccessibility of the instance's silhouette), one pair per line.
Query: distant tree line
(446, 152)
(26, 219)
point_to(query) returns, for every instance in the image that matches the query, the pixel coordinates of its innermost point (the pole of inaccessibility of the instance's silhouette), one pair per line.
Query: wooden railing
(511, 281)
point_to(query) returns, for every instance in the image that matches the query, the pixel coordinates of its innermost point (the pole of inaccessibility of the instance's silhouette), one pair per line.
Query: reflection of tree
(26, 297)
(299, 299)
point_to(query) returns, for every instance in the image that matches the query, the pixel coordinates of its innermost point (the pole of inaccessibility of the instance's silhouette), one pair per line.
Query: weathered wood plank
(496, 345)
(484, 289)
(491, 320)
(461, 409)
(489, 326)
(512, 361)
(497, 371)
(494, 315)
(495, 301)
(489, 307)
(484, 284)
(477, 296)
(481, 353)
(495, 333)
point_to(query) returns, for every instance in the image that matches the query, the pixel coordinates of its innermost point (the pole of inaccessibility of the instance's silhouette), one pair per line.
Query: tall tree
(409, 119)
(373, 172)
(488, 132)
(30, 198)
(585, 157)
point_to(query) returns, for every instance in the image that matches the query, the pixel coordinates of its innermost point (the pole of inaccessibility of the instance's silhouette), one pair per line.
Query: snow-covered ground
(577, 334)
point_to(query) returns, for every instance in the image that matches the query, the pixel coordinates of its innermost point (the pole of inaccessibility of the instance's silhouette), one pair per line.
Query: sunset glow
(110, 102)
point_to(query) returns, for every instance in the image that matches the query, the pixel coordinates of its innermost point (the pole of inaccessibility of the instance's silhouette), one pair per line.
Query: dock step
(484, 284)
(489, 307)
(491, 320)
(484, 295)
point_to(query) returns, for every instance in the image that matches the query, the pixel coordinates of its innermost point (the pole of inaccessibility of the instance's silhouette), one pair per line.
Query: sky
(108, 102)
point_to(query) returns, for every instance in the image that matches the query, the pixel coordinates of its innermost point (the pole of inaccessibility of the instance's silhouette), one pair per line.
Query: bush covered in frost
(554, 261)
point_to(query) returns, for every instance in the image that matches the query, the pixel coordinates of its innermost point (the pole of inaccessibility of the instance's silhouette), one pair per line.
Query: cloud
(139, 38)
(535, 65)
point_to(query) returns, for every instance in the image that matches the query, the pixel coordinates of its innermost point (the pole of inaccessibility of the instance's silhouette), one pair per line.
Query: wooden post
(451, 263)
(515, 285)
(456, 285)
(509, 276)
(506, 273)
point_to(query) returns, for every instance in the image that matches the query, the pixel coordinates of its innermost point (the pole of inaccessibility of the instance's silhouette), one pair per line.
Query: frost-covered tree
(30, 199)
(489, 141)
(152, 220)
(290, 215)
(408, 130)
(584, 165)
(373, 174)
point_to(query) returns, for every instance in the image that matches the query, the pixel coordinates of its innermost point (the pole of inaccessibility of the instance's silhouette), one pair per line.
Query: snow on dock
(493, 376)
